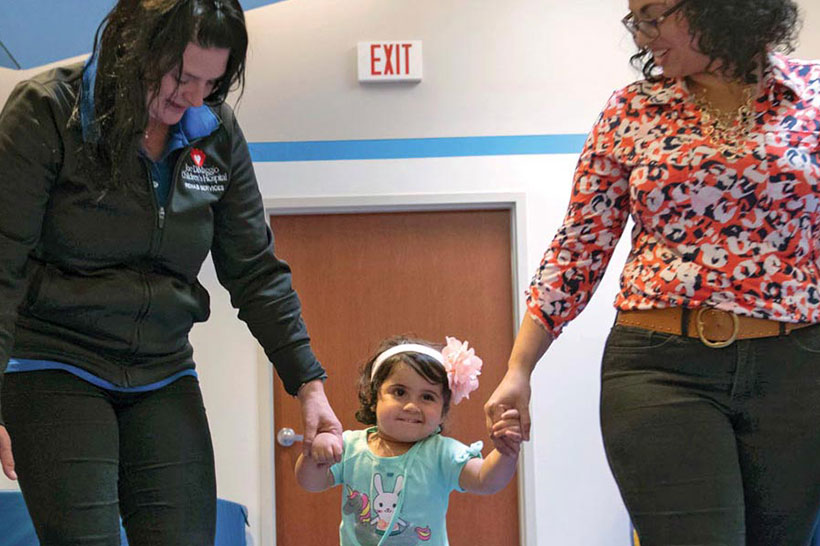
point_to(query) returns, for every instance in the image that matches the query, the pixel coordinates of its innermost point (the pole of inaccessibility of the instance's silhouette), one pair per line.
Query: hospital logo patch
(200, 177)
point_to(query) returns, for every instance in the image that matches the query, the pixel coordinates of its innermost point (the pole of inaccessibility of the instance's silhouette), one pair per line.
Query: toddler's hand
(326, 449)
(509, 428)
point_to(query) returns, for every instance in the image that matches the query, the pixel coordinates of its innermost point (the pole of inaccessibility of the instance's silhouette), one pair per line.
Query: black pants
(714, 446)
(85, 455)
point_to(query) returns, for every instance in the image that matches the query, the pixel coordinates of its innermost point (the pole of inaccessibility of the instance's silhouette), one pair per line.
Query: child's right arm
(313, 475)
(313, 470)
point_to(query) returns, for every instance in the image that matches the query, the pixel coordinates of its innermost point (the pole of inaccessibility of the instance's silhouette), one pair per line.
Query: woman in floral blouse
(710, 395)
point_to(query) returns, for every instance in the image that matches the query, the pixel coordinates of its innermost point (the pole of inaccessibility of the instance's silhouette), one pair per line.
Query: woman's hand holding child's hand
(326, 449)
(493, 473)
(508, 429)
(313, 467)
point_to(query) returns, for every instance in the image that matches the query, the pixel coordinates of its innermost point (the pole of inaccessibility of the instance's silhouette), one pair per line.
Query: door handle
(286, 437)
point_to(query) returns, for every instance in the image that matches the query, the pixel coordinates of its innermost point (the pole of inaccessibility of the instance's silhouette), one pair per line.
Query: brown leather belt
(715, 328)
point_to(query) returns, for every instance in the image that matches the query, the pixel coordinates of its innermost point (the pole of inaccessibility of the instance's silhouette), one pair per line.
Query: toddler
(397, 475)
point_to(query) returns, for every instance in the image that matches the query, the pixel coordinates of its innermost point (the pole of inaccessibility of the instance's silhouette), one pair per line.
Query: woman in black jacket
(119, 176)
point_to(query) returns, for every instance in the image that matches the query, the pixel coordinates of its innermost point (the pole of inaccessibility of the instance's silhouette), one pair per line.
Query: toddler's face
(409, 407)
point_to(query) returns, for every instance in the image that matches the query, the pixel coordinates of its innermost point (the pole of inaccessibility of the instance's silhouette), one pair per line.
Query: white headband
(405, 348)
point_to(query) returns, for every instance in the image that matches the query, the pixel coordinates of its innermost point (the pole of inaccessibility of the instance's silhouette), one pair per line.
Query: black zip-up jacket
(106, 280)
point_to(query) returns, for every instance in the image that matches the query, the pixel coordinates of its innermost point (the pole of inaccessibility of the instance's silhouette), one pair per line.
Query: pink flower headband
(459, 361)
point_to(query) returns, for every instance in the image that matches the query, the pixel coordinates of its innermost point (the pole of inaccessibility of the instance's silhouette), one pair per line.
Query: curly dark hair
(734, 33)
(426, 366)
(140, 41)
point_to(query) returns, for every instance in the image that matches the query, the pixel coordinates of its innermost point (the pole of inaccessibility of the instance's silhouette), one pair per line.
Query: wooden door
(364, 277)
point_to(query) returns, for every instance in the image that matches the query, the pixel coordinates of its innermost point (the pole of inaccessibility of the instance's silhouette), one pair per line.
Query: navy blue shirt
(162, 170)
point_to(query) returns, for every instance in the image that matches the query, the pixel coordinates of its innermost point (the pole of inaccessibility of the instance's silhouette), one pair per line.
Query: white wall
(519, 67)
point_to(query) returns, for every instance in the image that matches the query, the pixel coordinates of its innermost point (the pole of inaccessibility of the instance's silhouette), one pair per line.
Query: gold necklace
(729, 131)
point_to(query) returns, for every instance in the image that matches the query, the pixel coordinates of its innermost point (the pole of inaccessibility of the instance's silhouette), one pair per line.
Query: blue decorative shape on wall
(251, 4)
(38, 32)
(5, 57)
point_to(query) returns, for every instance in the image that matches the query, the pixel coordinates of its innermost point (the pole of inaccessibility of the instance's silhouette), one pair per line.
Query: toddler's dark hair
(426, 366)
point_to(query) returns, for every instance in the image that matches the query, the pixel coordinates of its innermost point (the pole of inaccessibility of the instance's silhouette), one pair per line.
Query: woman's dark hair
(735, 34)
(426, 366)
(139, 42)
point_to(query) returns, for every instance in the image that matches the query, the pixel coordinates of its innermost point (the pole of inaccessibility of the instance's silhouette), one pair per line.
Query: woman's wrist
(520, 369)
(310, 388)
(530, 345)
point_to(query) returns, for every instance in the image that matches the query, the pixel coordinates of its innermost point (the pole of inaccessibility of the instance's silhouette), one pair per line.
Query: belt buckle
(716, 344)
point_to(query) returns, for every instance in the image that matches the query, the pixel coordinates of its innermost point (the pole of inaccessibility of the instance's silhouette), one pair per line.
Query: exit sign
(390, 61)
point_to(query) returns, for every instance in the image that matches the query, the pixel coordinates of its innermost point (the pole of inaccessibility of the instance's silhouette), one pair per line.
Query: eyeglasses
(649, 27)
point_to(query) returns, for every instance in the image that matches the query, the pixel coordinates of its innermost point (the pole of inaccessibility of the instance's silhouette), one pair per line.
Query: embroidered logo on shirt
(199, 177)
(198, 156)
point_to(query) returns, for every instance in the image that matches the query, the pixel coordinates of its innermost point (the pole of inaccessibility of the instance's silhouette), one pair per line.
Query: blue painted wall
(38, 32)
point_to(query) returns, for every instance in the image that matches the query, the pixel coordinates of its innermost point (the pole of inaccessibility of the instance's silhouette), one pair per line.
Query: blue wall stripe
(407, 148)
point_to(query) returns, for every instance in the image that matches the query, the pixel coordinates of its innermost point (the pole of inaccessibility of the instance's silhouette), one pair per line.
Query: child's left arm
(492, 474)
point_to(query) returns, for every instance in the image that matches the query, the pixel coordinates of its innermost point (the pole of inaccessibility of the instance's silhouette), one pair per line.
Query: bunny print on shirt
(386, 503)
(374, 515)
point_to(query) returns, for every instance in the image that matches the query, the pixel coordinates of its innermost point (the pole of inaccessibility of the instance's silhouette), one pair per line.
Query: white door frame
(516, 204)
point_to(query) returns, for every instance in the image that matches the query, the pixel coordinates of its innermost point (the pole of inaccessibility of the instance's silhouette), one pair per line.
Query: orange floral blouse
(737, 228)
